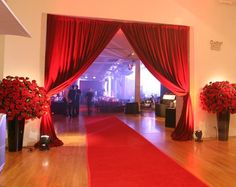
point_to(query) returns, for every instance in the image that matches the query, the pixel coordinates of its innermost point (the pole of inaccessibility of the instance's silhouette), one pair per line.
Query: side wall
(1, 55)
(208, 19)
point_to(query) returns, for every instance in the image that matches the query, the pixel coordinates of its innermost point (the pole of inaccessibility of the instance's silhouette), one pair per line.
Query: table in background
(170, 117)
(59, 107)
(132, 108)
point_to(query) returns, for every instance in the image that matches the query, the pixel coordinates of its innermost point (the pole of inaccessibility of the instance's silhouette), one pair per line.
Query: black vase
(15, 132)
(223, 119)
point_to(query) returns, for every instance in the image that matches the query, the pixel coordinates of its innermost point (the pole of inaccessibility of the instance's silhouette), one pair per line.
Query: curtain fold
(72, 44)
(163, 49)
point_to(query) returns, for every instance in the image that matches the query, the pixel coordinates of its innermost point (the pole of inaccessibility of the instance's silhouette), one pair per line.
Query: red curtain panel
(72, 44)
(164, 51)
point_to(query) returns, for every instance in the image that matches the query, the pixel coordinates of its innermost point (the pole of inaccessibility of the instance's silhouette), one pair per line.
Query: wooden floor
(212, 161)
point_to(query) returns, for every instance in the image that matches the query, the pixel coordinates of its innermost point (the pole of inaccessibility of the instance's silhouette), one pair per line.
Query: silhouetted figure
(77, 99)
(72, 101)
(89, 100)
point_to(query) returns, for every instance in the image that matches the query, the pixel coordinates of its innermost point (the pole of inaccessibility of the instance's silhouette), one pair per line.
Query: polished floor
(213, 161)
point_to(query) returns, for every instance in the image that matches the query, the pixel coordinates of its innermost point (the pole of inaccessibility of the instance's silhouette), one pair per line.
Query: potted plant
(21, 99)
(220, 98)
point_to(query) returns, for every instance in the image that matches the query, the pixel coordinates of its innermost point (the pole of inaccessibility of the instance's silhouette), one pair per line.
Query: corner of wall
(1, 55)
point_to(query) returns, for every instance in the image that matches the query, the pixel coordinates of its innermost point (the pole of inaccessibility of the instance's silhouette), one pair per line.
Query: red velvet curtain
(164, 51)
(72, 44)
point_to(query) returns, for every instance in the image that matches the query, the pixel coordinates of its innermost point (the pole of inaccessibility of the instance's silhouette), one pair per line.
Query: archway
(74, 43)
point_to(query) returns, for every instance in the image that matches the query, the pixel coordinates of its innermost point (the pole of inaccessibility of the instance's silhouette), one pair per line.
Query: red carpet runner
(120, 157)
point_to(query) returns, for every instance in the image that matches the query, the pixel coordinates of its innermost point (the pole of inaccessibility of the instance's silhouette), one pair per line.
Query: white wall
(1, 55)
(208, 20)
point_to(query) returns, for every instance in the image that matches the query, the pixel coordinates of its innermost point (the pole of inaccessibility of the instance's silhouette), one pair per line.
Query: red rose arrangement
(219, 97)
(22, 99)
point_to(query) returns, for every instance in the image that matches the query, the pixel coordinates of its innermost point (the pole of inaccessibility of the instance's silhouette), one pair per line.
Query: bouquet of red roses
(218, 97)
(22, 99)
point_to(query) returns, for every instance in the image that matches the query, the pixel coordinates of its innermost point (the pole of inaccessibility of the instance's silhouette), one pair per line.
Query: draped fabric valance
(72, 44)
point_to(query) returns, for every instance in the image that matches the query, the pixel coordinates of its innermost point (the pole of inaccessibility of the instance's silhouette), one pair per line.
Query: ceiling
(118, 55)
(117, 58)
(10, 24)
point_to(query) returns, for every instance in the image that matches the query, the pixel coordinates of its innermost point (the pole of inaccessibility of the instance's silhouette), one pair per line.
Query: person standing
(77, 99)
(89, 100)
(72, 101)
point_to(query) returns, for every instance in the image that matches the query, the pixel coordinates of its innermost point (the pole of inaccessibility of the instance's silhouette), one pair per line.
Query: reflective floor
(212, 161)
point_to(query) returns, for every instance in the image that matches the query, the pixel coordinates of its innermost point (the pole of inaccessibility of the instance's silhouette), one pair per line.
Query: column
(137, 82)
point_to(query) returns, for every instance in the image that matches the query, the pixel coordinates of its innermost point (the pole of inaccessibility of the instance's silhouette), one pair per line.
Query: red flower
(219, 97)
(21, 98)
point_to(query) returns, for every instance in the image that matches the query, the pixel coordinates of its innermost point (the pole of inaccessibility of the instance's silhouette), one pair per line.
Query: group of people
(73, 101)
